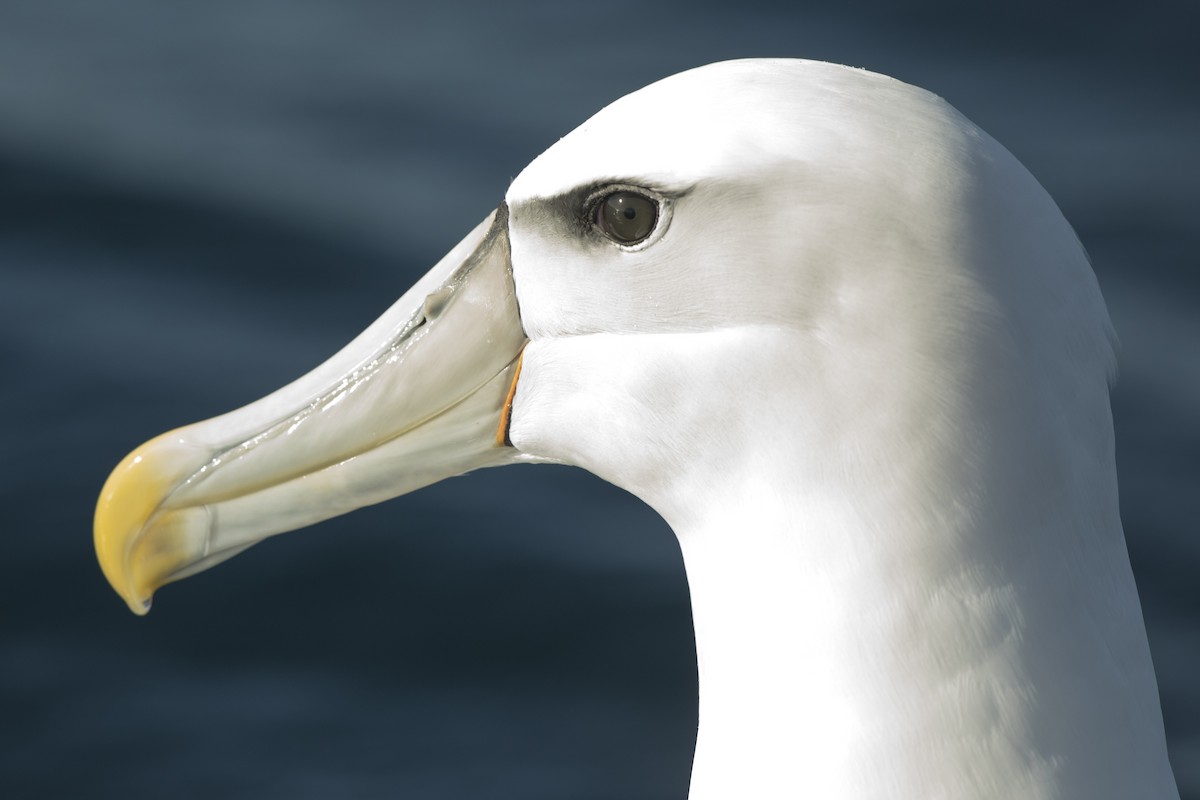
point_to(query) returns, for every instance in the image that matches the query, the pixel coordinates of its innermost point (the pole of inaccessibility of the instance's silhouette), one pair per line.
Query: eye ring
(629, 216)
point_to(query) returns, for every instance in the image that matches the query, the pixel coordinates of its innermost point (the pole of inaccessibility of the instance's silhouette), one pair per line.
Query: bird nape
(850, 350)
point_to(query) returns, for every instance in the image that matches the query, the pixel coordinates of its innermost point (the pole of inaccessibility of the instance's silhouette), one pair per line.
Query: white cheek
(562, 402)
(648, 412)
(588, 401)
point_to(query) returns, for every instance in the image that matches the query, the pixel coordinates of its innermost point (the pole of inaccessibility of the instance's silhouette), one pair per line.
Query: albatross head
(850, 350)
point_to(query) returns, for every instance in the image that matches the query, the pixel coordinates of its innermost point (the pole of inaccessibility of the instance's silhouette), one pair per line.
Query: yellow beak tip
(133, 493)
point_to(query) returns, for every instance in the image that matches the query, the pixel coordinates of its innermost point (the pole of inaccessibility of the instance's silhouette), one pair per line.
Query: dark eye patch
(576, 213)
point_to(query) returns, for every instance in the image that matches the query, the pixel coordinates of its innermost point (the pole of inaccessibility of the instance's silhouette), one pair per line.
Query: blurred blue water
(200, 202)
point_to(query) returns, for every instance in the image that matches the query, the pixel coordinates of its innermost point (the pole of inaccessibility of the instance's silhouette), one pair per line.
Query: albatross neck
(848, 650)
(906, 583)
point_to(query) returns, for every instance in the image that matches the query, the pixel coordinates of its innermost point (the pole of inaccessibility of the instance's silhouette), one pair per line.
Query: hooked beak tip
(134, 554)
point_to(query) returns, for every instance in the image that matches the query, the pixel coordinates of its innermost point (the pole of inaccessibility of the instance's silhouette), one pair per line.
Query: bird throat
(849, 655)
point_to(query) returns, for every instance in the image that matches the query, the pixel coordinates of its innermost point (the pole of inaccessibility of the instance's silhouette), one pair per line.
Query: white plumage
(864, 376)
(860, 366)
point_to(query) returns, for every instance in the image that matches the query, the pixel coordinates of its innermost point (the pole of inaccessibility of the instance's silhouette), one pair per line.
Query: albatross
(854, 355)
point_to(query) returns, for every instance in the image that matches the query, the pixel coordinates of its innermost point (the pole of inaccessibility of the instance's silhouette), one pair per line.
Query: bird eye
(626, 217)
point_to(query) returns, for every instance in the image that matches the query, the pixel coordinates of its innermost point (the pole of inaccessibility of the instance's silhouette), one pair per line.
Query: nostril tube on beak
(436, 302)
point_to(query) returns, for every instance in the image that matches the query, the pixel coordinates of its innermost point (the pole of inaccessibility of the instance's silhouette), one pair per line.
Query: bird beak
(421, 395)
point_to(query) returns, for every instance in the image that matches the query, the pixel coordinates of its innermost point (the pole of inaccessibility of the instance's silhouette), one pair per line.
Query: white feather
(863, 373)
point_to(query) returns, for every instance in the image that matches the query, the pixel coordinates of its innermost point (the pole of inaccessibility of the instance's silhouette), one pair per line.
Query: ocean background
(201, 201)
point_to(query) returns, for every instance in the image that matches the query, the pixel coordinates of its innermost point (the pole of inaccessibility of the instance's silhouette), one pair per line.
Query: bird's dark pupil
(630, 213)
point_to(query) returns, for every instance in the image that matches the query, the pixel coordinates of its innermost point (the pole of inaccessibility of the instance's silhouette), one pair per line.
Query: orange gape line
(506, 414)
